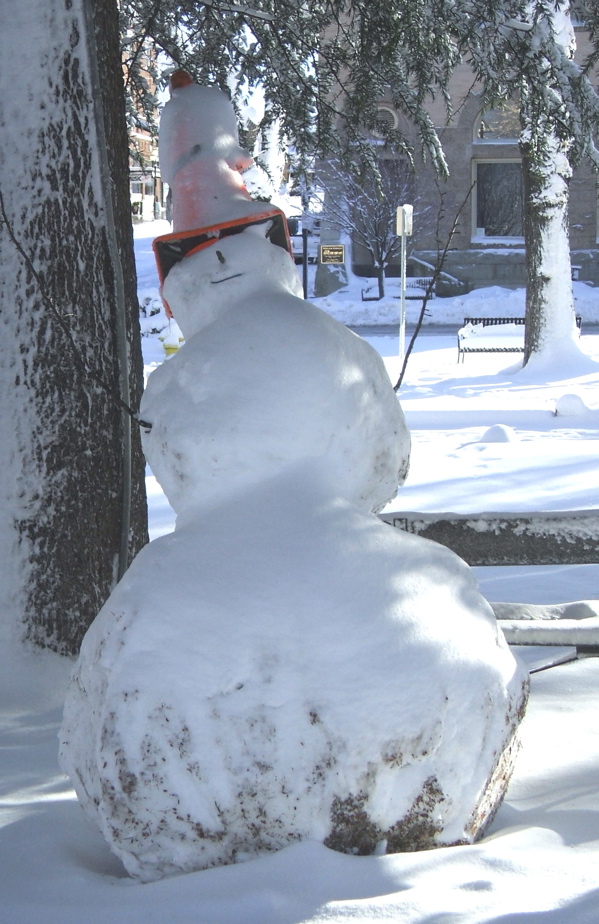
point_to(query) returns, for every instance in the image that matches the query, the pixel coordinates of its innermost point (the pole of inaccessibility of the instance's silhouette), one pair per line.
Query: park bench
(493, 335)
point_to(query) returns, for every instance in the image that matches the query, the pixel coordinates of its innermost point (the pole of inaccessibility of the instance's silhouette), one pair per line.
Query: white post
(404, 229)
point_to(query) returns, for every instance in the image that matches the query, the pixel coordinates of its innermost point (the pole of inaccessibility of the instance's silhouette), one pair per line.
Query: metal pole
(402, 310)
(305, 259)
(403, 228)
(306, 227)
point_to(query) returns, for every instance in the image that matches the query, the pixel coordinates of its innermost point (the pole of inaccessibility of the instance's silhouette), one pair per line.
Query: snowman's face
(225, 274)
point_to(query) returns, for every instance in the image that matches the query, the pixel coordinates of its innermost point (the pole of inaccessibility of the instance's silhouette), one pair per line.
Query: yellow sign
(332, 253)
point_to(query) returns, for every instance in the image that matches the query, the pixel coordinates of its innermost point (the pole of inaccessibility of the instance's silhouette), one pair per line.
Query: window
(387, 119)
(499, 198)
(499, 125)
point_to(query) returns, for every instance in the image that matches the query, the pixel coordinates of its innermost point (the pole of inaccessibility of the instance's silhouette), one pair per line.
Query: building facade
(146, 190)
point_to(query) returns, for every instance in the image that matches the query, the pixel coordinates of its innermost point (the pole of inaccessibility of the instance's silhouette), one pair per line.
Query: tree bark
(65, 249)
(380, 276)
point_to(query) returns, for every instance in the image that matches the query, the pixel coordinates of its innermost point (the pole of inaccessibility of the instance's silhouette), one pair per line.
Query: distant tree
(360, 199)
(72, 511)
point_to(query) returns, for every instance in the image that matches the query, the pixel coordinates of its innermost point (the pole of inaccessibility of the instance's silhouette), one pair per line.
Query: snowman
(283, 666)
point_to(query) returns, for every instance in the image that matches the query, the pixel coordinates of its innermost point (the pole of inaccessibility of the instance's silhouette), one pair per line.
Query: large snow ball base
(366, 700)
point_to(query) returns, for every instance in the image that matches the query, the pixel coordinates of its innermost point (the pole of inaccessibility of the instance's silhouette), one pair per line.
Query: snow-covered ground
(538, 863)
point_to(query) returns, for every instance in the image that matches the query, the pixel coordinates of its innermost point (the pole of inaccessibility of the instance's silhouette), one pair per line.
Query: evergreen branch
(140, 39)
(236, 8)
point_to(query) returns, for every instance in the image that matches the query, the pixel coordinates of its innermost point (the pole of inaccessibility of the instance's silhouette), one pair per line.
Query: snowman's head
(226, 274)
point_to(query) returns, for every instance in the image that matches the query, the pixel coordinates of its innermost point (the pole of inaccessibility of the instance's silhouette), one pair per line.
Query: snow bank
(347, 306)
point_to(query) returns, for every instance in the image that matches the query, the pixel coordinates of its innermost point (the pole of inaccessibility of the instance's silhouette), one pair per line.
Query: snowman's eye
(220, 256)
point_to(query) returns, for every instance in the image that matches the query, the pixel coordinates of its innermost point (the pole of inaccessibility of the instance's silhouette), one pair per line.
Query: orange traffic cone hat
(202, 161)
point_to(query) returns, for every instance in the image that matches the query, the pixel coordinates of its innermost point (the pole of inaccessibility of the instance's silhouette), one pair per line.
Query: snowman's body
(284, 665)
(289, 385)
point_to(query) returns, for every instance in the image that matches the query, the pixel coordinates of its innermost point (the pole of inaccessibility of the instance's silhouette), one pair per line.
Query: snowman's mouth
(215, 282)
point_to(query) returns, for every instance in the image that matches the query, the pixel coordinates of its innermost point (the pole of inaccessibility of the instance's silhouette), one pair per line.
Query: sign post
(403, 229)
(306, 230)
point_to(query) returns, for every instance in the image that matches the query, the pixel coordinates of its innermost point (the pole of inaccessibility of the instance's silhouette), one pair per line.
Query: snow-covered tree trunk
(550, 318)
(72, 504)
